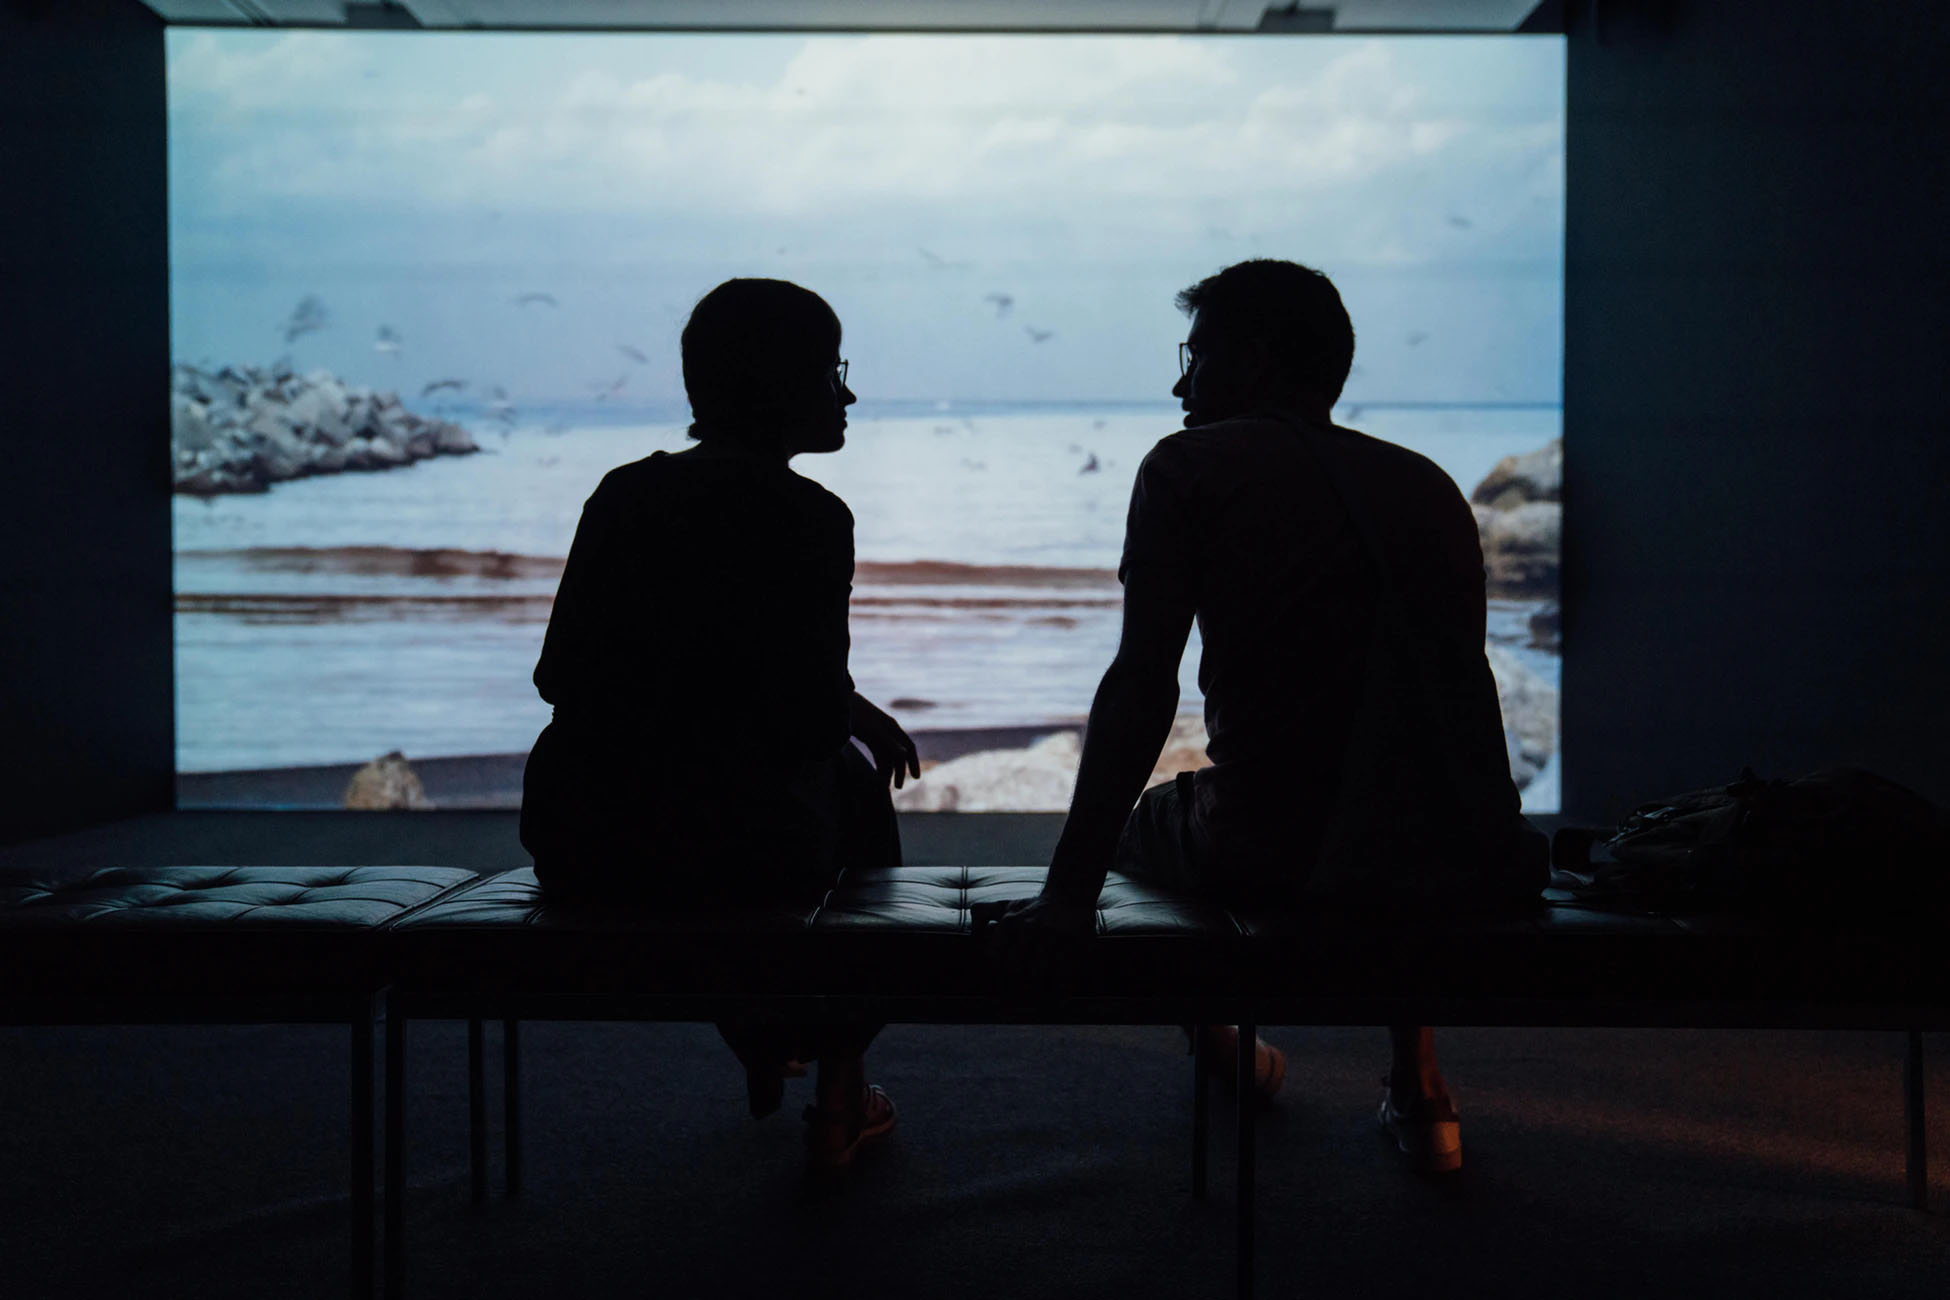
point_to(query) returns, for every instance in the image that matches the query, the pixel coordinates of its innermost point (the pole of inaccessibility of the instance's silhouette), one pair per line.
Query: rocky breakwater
(241, 429)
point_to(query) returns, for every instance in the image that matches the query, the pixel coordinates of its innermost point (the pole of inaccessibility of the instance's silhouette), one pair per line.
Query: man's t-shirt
(696, 652)
(1243, 521)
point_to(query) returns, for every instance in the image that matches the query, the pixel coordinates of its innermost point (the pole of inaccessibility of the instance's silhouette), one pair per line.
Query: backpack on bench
(1838, 840)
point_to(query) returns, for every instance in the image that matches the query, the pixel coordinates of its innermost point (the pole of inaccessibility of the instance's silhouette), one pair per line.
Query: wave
(380, 561)
(447, 562)
(949, 573)
(274, 607)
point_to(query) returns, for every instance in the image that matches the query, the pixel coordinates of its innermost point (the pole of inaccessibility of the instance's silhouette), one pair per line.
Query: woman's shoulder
(635, 475)
(818, 499)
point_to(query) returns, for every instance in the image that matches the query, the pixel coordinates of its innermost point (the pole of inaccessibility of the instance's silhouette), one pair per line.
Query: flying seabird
(1038, 336)
(438, 384)
(500, 408)
(307, 316)
(634, 354)
(527, 298)
(1090, 466)
(940, 263)
(1416, 338)
(388, 341)
(1002, 303)
(1459, 221)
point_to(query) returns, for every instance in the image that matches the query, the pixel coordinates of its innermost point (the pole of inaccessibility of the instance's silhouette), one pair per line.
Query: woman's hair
(1293, 308)
(749, 347)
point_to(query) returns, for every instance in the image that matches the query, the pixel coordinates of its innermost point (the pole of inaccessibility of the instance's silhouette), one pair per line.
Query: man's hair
(1294, 309)
(746, 340)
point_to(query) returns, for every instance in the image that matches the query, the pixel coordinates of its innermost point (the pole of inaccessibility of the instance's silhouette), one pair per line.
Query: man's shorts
(1176, 838)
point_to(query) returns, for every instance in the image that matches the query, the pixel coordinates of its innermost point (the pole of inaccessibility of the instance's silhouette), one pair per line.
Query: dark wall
(1756, 316)
(85, 687)
(1756, 466)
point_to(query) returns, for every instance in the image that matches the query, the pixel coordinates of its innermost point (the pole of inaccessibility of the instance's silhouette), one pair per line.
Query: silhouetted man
(1355, 740)
(696, 658)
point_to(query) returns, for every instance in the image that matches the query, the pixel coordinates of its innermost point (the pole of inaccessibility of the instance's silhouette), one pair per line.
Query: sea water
(335, 618)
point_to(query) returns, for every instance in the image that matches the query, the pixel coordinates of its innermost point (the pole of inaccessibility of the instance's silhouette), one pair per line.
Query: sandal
(833, 1138)
(1428, 1131)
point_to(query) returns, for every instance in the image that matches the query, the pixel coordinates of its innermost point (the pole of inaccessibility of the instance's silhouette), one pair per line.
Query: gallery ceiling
(1015, 15)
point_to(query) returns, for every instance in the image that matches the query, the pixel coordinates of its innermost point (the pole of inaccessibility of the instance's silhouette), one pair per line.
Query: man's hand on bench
(1032, 942)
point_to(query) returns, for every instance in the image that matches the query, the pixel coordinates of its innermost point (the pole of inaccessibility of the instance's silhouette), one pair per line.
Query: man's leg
(1416, 1109)
(1415, 1076)
(1163, 844)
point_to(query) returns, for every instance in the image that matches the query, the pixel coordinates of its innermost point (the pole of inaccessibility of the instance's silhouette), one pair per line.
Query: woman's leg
(866, 834)
(849, 806)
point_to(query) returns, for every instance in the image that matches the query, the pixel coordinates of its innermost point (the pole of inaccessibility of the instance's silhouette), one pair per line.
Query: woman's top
(696, 658)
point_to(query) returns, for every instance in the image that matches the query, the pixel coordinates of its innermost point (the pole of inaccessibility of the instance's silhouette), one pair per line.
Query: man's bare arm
(1130, 719)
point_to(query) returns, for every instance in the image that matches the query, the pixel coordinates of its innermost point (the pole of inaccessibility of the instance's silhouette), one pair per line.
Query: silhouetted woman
(696, 658)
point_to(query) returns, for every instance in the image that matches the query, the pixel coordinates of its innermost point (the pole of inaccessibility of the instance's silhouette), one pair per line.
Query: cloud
(994, 130)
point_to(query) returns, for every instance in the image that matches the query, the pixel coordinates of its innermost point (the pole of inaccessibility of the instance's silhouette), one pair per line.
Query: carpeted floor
(211, 1161)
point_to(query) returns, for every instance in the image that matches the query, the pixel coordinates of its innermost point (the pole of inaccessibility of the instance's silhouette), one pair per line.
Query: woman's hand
(894, 755)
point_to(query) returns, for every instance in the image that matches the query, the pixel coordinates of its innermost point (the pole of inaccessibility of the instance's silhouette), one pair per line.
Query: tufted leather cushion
(916, 921)
(248, 930)
(499, 935)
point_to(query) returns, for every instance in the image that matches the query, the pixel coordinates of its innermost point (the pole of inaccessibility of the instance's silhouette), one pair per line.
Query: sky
(423, 183)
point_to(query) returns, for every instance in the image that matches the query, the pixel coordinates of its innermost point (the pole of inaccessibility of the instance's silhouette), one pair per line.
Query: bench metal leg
(476, 1111)
(1201, 1109)
(1248, 1106)
(395, 1245)
(511, 1102)
(362, 1153)
(1916, 1154)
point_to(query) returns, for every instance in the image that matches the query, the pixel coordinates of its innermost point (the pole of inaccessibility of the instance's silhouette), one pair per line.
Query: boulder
(1529, 705)
(1547, 629)
(1039, 778)
(387, 783)
(1522, 549)
(189, 424)
(1533, 476)
(1520, 523)
(375, 453)
(319, 412)
(449, 439)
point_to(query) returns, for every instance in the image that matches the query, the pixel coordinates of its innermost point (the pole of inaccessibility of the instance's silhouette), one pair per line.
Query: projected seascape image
(427, 289)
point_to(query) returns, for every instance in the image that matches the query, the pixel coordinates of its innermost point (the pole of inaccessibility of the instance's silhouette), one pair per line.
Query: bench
(894, 945)
(217, 945)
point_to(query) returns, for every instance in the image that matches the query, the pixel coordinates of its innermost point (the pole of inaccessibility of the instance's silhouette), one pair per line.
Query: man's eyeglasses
(1187, 358)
